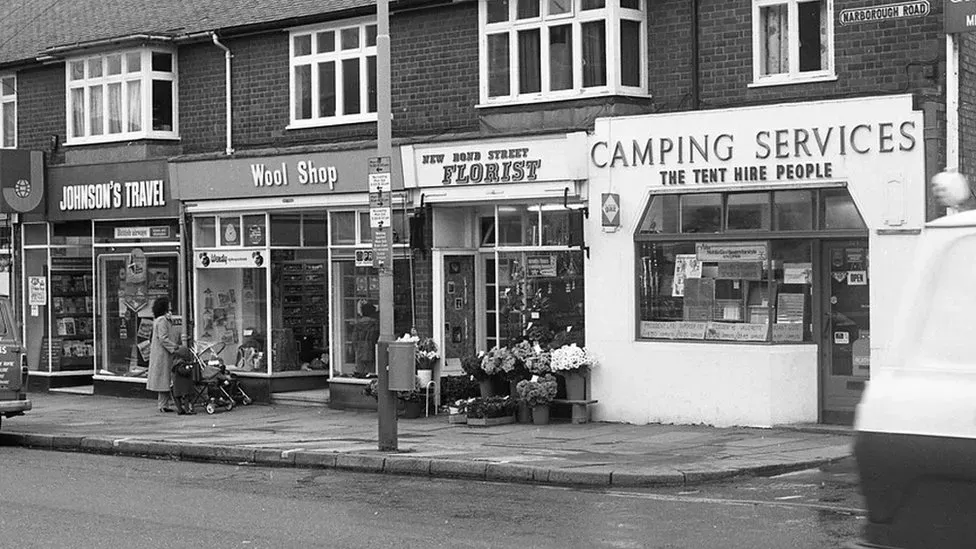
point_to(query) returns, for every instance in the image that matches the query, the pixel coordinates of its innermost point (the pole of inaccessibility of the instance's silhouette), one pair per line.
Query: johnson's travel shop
(108, 248)
(741, 266)
(281, 271)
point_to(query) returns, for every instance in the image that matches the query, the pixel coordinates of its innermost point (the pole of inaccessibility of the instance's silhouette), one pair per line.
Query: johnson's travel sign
(960, 16)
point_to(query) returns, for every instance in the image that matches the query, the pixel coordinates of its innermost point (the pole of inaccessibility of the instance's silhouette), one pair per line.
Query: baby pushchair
(214, 386)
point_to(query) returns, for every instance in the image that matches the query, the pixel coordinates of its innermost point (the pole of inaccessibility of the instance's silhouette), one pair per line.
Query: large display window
(58, 297)
(736, 266)
(283, 292)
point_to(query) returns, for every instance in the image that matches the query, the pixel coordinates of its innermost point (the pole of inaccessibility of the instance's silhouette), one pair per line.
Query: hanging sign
(610, 207)
(959, 16)
(37, 291)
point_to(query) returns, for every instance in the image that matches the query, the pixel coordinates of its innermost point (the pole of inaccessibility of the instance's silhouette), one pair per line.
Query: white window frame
(363, 52)
(145, 76)
(5, 100)
(611, 13)
(793, 76)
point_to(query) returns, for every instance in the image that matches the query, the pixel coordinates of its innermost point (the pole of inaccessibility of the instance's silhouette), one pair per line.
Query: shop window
(286, 229)
(487, 226)
(8, 112)
(793, 41)
(315, 230)
(840, 212)
(229, 231)
(122, 96)
(540, 50)
(333, 74)
(35, 234)
(794, 210)
(343, 228)
(254, 231)
(539, 294)
(701, 213)
(231, 315)
(300, 310)
(357, 325)
(748, 212)
(205, 232)
(517, 226)
(661, 215)
(71, 233)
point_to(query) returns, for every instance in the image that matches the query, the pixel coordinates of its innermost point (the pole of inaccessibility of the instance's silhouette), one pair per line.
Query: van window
(947, 328)
(5, 323)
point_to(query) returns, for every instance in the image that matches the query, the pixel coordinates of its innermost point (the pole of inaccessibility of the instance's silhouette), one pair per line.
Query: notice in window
(790, 308)
(685, 266)
(797, 273)
(731, 251)
(735, 270)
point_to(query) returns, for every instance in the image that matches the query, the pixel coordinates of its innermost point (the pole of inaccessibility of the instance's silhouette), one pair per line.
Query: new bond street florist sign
(275, 176)
(874, 14)
(110, 191)
(803, 142)
(495, 162)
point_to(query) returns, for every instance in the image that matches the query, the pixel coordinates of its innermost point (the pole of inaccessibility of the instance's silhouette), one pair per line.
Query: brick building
(506, 121)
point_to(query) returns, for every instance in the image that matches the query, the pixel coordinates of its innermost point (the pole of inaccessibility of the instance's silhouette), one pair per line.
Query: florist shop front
(110, 246)
(507, 246)
(740, 268)
(282, 281)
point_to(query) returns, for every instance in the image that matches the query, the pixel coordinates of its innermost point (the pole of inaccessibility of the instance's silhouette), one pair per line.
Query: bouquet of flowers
(498, 361)
(471, 364)
(537, 393)
(538, 362)
(426, 352)
(571, 358)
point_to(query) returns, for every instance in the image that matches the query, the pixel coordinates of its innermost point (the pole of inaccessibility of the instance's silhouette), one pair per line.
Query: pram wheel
(246, 400)
(211, 408)
(229, 406)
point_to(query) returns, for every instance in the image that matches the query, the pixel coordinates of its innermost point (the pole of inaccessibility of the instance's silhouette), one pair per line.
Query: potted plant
(458, 410)
(537, 393)
(493, 410)
(573, 363)
(410, 403)
(471, 364)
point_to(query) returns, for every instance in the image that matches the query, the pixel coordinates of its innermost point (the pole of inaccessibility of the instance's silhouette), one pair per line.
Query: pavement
(594, 454)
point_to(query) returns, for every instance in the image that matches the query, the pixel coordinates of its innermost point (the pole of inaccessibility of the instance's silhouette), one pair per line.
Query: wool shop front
(92, 266)
(283, 285)
(741, 265)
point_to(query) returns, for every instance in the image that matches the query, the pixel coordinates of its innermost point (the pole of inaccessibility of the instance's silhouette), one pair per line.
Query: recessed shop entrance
(845, 348)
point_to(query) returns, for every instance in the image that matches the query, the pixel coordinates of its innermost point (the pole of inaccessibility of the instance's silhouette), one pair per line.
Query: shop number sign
(364, 258)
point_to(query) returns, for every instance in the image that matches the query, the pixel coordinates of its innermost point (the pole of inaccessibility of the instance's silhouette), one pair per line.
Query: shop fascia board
(484, 193)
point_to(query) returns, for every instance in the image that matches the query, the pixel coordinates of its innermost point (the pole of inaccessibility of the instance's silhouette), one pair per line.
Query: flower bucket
(412, 409)
(575, 385)
(540, 414)
(487, 390)
(524, 413)
(425, 376)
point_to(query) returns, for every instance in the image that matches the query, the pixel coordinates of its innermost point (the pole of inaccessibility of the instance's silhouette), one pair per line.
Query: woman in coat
(161, 355)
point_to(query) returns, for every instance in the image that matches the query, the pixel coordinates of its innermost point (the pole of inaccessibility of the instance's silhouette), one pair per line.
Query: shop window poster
(685, 266)
(229, 233)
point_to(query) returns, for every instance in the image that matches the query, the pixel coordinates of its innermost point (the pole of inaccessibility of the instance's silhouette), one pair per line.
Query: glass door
(128, 283)
(846, 343)
(460, 308)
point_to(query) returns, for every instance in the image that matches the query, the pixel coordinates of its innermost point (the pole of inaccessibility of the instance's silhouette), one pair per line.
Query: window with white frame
(793, 40)
(122, 96)
(543, 50)
(333, 74)
(8, 112)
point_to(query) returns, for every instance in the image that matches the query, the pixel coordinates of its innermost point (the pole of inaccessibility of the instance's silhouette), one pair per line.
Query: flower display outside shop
(426, 349)
(539, 392)
(492, 407)
(538, 362)
(472, 365)
(418, 394)
(571, 358)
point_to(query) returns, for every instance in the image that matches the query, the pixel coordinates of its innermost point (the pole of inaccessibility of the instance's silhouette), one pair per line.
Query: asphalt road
(54, 499)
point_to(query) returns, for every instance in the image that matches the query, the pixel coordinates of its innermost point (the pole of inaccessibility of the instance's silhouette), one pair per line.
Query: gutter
(53, 53)
(229, 150)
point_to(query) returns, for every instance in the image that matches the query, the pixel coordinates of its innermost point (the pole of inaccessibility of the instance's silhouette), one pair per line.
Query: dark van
(13, 366)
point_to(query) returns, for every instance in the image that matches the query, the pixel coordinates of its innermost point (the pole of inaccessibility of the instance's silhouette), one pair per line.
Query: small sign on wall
(37, 291)
(610, 209)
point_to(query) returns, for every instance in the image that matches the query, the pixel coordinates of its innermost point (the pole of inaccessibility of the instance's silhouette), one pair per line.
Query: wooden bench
(581, 411)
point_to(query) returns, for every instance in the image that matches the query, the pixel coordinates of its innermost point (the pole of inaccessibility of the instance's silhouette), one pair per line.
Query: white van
(13, 366)
(915, 440)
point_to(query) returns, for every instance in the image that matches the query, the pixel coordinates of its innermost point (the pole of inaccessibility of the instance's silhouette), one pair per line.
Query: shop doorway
(460, 310)
(845, 349)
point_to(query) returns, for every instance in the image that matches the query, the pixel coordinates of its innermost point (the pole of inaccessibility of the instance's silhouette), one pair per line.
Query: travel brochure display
(72, 306)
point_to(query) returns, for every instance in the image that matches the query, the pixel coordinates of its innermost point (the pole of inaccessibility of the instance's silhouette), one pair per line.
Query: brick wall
(967, 106)
(41, 110)
(871, 58)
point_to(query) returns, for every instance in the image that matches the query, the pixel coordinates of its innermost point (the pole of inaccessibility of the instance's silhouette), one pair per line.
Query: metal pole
(386, 403)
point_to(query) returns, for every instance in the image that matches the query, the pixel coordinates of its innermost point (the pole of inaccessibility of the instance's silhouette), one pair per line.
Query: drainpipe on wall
(227, 55)
(695, 93)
